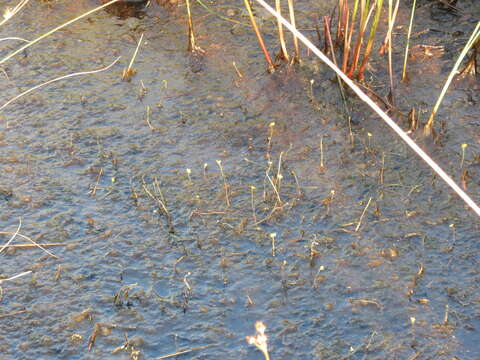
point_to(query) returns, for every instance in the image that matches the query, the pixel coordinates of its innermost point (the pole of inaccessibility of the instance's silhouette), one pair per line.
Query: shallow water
(81, 166)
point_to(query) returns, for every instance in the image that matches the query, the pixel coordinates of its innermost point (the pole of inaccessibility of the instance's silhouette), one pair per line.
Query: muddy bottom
(205, 194)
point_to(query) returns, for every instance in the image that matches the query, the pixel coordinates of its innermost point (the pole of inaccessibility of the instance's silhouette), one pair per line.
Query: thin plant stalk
(371, 37)
(48, 33)
(252, 192)
(407, 46)
(185, 351)
(271, 66)
(363, 214)
(135, 53)
(33, 243)
(291, 10)
(129, 71)
(13, 236)
(471, 41)
(16, 276)
(388, 40)
(55, 80)
(191, 35)
(14, 38)
(391, 22)
(364, 97)
(283, 48)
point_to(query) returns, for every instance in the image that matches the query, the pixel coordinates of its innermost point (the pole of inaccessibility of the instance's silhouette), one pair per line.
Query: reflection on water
(343, 249)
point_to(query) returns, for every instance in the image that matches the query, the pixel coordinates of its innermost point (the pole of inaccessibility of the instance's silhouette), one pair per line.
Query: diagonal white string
(425, 157)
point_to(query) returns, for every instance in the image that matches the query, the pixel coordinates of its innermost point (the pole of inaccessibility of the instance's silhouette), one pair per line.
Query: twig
(363, 214)
(31, 240)
(186, 351)
(93, 191)
(425, 157)
(28, 246)
(225, 185)
(239, 74)
(13, 313)
(252, 191)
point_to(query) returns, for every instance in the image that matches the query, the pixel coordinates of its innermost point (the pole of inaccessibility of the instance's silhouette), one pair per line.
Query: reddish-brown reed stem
(271, 65)
(341, 24)
(347, 41)
(364, 18)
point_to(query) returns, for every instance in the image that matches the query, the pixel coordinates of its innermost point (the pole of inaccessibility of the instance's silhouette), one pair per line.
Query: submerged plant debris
(184, 206)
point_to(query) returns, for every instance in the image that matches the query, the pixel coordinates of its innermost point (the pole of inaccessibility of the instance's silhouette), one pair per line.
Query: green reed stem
(471, 42)
(405, 58)
(371, 38)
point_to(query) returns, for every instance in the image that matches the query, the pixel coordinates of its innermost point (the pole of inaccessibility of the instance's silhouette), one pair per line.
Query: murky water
(170, 259)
